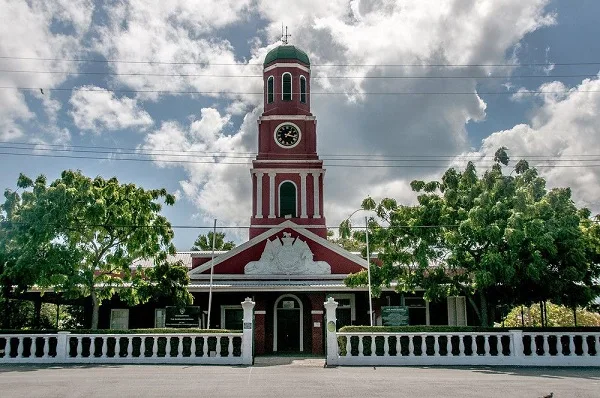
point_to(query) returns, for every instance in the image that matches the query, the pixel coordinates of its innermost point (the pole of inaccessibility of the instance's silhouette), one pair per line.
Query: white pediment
(287, 256)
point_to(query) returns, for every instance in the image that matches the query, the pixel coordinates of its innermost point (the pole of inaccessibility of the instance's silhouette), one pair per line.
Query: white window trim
(302, 77)
(268, 78)
(115, 310)
(291, 85)
(228, 307)
(164, 311)
(301, 320)
(344, 296)
(279, 197)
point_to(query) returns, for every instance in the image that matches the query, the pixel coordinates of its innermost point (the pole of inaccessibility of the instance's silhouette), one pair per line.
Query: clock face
(287, 135)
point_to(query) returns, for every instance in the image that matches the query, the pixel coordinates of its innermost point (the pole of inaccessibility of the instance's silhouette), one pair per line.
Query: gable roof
(273, 231)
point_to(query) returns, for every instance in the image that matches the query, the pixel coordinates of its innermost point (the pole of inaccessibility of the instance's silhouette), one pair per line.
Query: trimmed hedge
(458, 329)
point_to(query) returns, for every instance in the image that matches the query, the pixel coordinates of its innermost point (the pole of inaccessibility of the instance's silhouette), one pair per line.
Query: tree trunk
(522, 317)
(542, 313)
(574, 315)
(7, 310)
(483, 304)
(37, 311)
(95, 310)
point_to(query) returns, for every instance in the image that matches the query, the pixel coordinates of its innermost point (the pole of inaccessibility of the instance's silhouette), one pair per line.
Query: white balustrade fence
(191, 348)
(514, 347)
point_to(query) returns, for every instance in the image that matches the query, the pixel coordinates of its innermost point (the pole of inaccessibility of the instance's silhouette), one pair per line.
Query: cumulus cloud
(97, 109)
(218, 181)
(32, 33)
(564, 130)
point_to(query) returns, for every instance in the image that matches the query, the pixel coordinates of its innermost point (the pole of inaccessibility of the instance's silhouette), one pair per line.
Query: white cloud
(30, 31)
(565, 129)
(214, 184)
(98, 109)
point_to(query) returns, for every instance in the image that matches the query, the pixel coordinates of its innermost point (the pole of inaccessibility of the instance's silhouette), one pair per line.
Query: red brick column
(317, 300)
(259, 326)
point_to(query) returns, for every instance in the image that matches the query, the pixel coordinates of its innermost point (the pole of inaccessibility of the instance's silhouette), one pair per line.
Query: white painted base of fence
(166, 348)
(504, 348)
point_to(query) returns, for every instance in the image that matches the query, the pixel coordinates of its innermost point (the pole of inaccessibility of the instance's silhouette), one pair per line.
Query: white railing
(514, 347)
(190, 348)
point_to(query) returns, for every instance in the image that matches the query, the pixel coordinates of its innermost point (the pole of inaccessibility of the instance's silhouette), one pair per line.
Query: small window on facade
(286, 83)
(119, 318)
(270, 89)
(302, 89)
(287, 200)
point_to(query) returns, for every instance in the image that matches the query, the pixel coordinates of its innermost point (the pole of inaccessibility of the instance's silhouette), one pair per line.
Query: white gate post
(62, 346)
(248, 336)
(332, 344)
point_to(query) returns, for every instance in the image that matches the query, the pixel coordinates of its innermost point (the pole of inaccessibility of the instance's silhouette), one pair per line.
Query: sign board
(394, 316)
(182, 317)
(288, 304)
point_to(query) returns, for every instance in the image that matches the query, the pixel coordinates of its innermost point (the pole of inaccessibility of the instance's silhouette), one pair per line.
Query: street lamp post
(369, 270)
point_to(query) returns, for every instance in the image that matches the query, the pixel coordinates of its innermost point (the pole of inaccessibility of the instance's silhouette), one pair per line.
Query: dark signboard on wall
(394, 316)
(182, 317)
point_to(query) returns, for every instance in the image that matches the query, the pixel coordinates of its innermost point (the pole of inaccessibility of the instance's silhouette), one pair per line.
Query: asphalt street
(289, 377)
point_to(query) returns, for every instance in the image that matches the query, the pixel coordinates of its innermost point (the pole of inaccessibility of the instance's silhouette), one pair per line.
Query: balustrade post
(218, 348)
(46, 349)
(78, 346)
(332, 343)
(398, 346)
(449, 345)
(33, 351)
(154, 347)
(423, 345)
(461, 345)
(516, 346)
(373, 347)
(546, 344)
(248, 332)
(193, 347)
(436, 345)
(386, 346)
(62, 348)
(499, 344)
(168, 347)
(104, 346)
(486, 345)
(180, 347)
(572, 345)
(411, 346)
(230, 347)
(360, 346)
(20, 346)
(474, 345)
(584, 345)
(130, 347)
(348, 347)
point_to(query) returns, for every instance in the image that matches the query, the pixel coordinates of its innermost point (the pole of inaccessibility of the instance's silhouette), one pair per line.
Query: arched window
(286, 86)
(270, 89)
(302, 89)
(287, 199)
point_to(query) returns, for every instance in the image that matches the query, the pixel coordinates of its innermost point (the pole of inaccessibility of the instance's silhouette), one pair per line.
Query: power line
(440, 65)
(71, 73)
(34, 146)
(234, 155)
(349, 165)
(125, 91)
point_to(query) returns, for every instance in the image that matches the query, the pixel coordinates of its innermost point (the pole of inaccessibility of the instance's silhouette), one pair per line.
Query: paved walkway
(294, 377)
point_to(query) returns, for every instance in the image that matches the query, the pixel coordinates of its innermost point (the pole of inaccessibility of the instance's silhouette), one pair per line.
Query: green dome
(286, 52)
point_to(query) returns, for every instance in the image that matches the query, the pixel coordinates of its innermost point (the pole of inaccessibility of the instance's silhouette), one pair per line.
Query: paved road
(289, 377)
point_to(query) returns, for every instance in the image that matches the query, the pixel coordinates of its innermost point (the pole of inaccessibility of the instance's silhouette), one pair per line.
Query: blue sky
(560, 124)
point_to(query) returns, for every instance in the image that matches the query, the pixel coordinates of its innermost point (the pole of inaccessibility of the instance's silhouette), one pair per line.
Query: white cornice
(286, 65)
(287, 117)
(287, 171)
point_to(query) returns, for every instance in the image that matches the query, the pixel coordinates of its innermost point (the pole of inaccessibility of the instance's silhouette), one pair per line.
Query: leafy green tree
(352, 243)
(88, 232)
(558, 315)
(499, 239)
(205, 242)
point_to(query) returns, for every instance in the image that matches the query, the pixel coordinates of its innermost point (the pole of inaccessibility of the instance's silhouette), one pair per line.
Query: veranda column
(303, 195)
(272, 195)
(317, 211)
(259, 187)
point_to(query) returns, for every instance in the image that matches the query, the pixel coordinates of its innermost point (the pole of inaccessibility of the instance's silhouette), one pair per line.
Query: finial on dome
(284, 37)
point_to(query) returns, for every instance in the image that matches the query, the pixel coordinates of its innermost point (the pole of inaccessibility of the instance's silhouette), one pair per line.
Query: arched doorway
(288, 330)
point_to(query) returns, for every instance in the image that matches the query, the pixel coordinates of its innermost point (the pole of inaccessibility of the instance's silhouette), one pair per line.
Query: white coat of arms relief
(287, 256)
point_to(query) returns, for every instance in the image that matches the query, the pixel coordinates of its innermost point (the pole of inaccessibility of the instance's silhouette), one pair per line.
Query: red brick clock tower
(287, 175)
